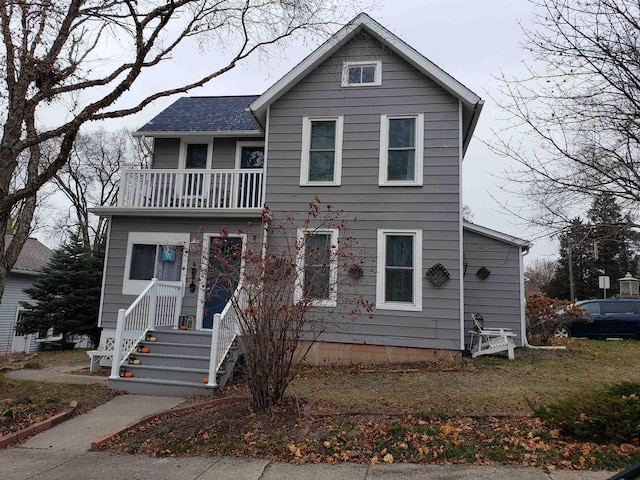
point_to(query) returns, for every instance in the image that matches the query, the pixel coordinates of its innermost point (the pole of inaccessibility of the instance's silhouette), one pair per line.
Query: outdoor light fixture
(192, 285)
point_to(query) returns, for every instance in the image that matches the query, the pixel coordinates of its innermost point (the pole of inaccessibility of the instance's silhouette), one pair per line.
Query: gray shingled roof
(204, 114)
(33, 257)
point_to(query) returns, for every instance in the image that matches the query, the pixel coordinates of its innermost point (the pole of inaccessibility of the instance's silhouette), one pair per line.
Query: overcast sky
(471, 40)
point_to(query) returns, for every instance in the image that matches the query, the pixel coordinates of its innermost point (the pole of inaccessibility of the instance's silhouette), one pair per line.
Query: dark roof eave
(178, 133)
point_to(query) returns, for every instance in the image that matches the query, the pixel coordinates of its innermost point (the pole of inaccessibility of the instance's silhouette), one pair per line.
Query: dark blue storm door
(223, 274)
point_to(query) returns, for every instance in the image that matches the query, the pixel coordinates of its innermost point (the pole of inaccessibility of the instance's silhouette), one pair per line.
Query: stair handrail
(158, 305)
(225, 330)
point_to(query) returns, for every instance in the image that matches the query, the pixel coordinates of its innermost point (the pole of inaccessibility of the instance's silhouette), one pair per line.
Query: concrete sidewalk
(63, 453)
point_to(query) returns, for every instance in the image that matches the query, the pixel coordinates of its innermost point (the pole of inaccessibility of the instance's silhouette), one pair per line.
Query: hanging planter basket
(438, 275)
(355, 272)
(483, 273)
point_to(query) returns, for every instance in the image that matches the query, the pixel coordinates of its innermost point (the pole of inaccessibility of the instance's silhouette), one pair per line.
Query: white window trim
(384, 151)
(416, 306)
(239, 146)
(182, 159)
(135, 287)
(306, 146)
(377, 78)
(298, 294)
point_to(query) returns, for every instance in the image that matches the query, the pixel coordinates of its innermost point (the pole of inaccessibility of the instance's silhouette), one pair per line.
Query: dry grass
(16, 361)
(486, 385)
(23, 402)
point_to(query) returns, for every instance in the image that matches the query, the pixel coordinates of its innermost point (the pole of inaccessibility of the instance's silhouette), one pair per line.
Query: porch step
(191, 337)
(172, 348)
(176, 364)
(172, 360)
(152, 386)
(163, 372)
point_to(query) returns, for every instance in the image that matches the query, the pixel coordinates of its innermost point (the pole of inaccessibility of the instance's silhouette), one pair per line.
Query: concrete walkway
(63, 453)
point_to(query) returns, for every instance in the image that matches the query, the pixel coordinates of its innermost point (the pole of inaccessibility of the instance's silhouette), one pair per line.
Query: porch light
(192, 285)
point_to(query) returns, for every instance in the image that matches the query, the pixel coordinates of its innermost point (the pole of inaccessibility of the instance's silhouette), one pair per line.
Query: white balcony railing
(198, 189)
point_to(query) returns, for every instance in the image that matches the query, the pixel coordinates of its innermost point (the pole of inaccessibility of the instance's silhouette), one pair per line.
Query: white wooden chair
(486, 341)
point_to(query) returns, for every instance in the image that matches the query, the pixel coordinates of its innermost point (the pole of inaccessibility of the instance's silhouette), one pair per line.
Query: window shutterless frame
(302, 269)
(321, 159)
(362, 74)
(401, 150)
(155, 241)
(399, 268)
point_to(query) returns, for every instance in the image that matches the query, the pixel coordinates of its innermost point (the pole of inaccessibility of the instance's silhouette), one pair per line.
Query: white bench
(486, 341)
(97, 356)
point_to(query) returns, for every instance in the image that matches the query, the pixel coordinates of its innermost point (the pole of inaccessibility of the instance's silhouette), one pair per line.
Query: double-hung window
(362, 74)
(154, 255)
(321, 151)
(401, 149)
(317, 267)
(399, 283)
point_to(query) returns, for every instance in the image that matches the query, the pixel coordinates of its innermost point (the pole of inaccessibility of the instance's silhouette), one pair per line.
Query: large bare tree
(573, 126)
(91, 177)
(81, 58)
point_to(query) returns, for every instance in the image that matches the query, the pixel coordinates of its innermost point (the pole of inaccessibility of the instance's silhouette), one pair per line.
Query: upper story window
(196, 154)
(401, 149)
(321, 151)
(362, 74)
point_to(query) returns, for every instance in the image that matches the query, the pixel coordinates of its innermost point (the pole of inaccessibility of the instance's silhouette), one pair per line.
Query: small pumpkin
(184, 327)
(128, 374)
(144, 350)
(205, 380)
(153, 339)
(136, 362)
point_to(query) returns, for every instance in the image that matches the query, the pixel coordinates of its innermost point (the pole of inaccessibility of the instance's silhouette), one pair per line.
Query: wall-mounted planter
(438, 275)
(355, 272)
(483, 273)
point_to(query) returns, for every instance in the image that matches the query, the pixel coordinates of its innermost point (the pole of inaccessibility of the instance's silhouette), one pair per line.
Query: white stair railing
(158, 305)
(226, 327)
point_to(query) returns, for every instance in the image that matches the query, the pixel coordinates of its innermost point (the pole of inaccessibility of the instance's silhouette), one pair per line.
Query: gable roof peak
(471, 103)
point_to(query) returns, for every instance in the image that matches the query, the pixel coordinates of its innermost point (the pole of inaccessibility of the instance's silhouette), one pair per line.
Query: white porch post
(153, 302)
(117, 347)
(215, 341)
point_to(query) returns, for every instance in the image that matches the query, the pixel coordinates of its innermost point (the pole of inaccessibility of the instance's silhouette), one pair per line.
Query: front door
(223, 274)
(20, 343)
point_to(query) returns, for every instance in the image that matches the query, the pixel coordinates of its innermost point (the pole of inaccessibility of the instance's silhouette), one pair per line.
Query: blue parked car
(608, 318)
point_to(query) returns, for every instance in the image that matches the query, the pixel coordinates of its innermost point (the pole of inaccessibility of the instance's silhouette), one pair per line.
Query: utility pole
(571, 287)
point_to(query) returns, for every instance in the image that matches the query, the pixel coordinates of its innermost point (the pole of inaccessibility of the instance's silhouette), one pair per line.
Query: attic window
(362, 74)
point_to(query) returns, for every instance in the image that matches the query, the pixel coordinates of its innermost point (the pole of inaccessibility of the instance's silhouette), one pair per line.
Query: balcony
(193, 192)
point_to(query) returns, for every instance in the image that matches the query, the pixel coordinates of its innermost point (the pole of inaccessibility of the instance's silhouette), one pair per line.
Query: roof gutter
(256, 118)
(473, 121)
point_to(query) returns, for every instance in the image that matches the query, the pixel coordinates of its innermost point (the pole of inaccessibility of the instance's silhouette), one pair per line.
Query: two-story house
(364, 122)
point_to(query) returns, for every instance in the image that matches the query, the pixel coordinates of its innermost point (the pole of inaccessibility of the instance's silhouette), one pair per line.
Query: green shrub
(602, 416)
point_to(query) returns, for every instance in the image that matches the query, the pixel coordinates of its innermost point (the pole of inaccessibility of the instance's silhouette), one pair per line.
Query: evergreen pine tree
(67, 294)
(582, 265)
(614, 240)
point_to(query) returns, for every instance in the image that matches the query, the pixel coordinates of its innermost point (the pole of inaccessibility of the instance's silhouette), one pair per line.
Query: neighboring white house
(33, 258)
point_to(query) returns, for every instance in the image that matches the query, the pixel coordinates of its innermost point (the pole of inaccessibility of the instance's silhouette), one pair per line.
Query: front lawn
(24, 403)
(475, 411)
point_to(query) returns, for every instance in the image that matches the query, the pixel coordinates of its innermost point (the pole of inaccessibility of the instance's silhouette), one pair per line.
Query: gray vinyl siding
(120, 228)
(498, 298)
(166, 152)
(433, 208)
(13, 295)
